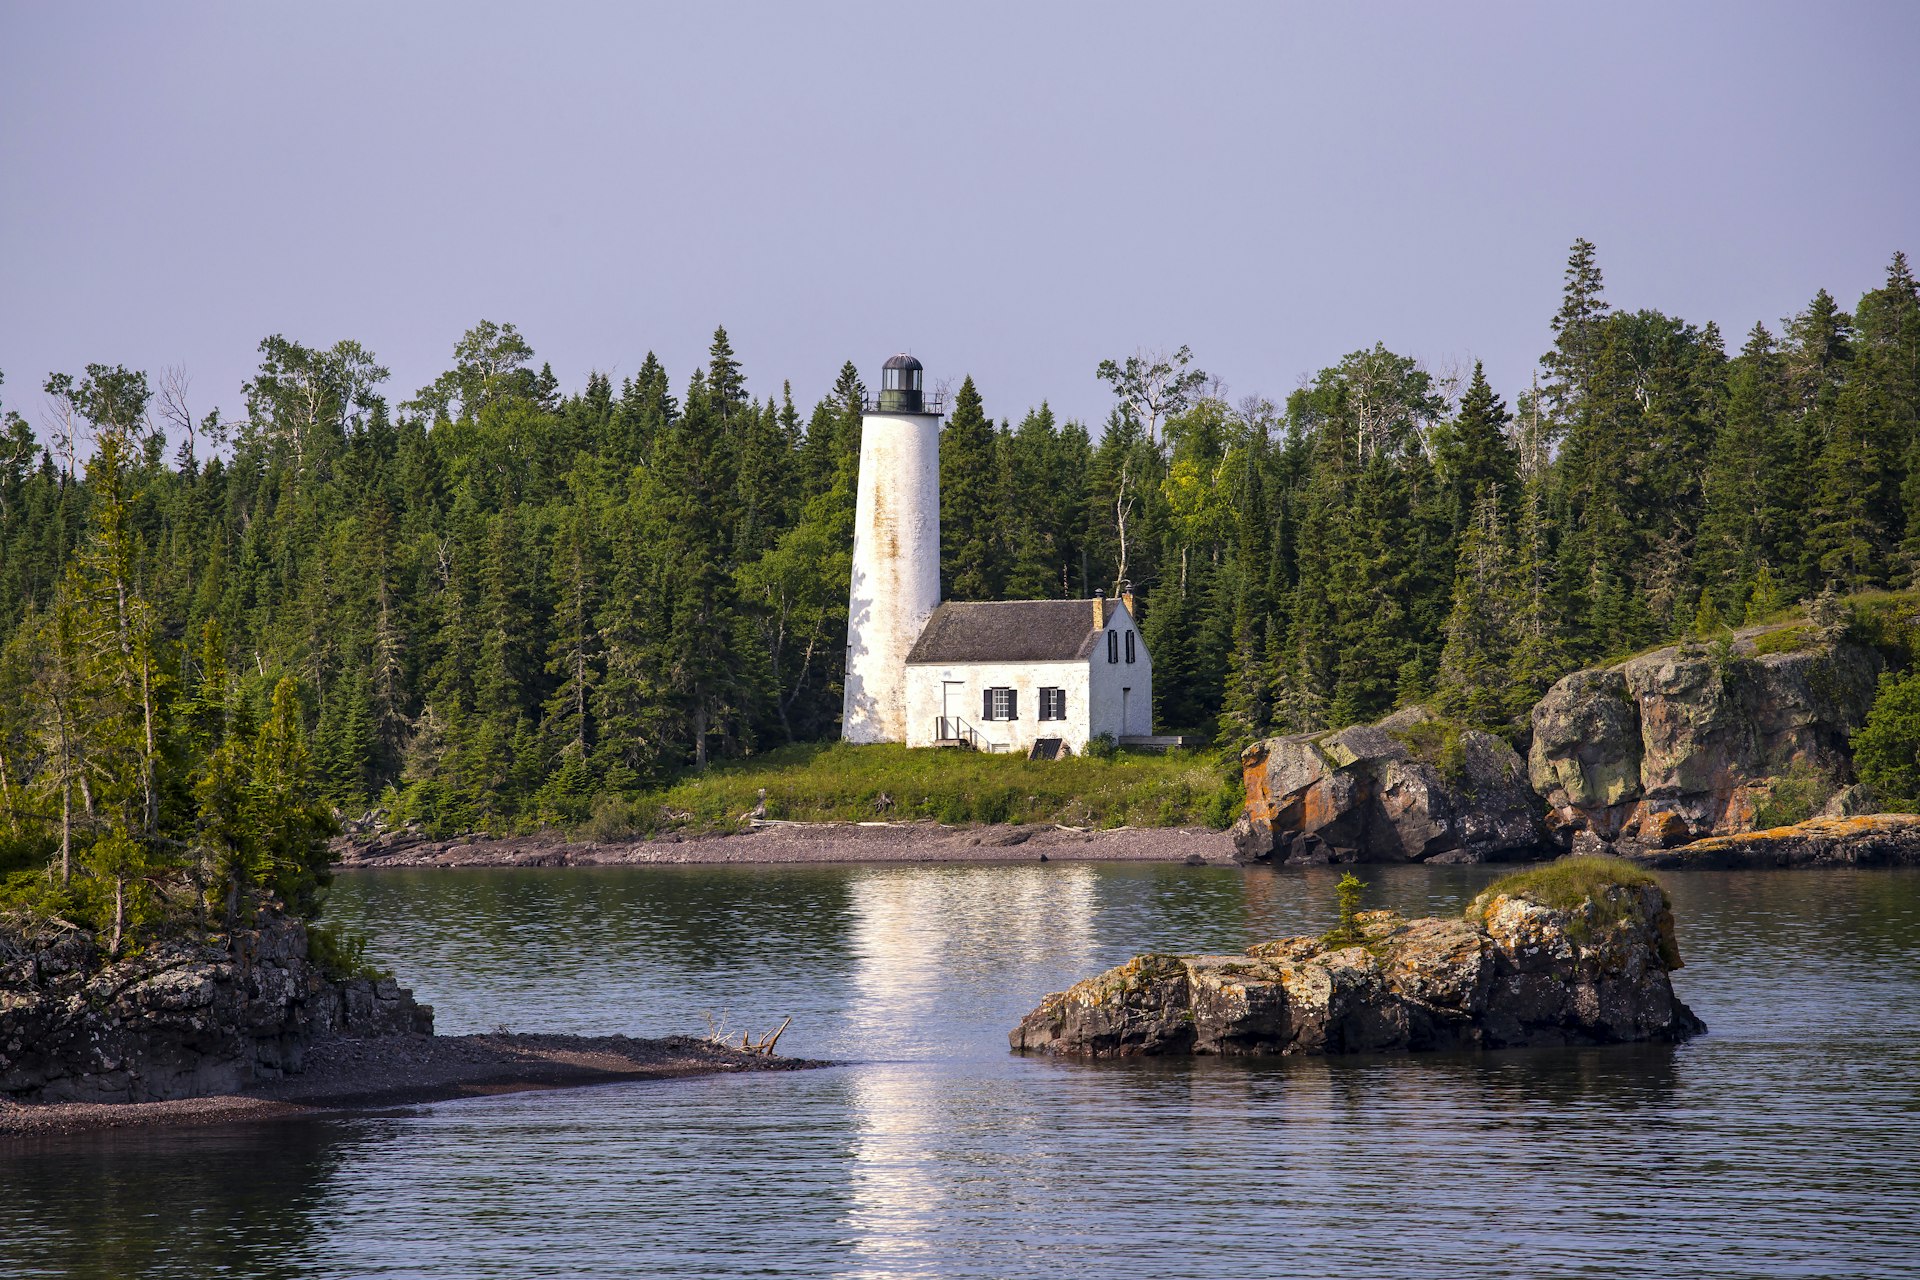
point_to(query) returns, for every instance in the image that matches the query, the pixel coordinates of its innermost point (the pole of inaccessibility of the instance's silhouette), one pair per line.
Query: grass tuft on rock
(1568, 882)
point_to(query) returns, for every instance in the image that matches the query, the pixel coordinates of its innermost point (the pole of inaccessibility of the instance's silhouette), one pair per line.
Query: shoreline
(348, 1075)
(1869, 840)
(811, 842)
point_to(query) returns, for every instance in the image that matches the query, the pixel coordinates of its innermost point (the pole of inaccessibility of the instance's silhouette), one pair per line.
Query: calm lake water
(1786, 1142)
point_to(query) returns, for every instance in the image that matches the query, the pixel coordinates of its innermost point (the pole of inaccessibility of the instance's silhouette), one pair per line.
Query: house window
(1053, 704)
(1000, 704)
(1113, 646)
(1129, 646)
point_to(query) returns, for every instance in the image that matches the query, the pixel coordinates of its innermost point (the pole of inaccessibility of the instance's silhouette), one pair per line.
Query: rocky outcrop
(178, 1021)
(1411, 788)
(1514, 971)
(1685, 742)
(1866, 840)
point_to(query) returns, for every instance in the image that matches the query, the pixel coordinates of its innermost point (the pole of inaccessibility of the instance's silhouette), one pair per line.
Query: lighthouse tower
(896, 552)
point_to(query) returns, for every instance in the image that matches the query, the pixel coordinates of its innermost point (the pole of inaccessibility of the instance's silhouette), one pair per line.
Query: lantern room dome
(901, 389)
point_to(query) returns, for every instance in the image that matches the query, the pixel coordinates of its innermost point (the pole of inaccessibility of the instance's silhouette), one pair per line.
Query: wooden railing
(954, 729)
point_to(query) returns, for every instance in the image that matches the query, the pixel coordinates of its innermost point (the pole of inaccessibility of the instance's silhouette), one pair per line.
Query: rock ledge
(1412, 788)
(178, 1021)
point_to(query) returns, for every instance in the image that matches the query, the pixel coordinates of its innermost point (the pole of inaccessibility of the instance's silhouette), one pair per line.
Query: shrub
(1438, 743)
(1785, 640)
(1102, 746)
(1886, 750)
(1347, 900)
(342, 953)
(614, 818)
(1888, 621)
(1792, 797)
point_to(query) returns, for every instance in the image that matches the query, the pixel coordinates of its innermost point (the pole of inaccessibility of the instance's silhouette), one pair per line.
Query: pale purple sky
(1008, 190)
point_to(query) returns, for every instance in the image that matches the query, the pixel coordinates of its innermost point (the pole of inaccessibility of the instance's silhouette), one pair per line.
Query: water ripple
(1785, 1143)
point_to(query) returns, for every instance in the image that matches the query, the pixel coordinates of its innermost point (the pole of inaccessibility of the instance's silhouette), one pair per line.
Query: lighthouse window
(1129, 646)
(1053, 704)
(1000, 704)
(1113, 646)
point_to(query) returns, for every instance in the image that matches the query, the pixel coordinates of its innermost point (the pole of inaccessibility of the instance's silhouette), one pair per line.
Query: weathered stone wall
(178, 1021)
(1683, 743)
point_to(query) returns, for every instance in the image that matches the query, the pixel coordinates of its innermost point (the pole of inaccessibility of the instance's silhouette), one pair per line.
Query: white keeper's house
(1036, 676)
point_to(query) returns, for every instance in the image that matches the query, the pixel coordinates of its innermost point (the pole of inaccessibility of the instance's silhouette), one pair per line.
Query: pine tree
(696, 646)
(1476, 664)
(970, 549)
(1474, 455)
(1748, 489)
(1573, 364)
(726, 387)
(1246, 712)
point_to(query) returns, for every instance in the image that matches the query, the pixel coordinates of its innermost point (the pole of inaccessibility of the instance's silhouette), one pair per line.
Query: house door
(950, 705)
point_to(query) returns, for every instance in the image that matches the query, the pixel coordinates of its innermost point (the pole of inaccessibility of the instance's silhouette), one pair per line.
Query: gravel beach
(352, 1074)
(775, 842)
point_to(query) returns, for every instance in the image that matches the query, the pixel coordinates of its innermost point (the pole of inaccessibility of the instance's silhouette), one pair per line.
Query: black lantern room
(900, 386)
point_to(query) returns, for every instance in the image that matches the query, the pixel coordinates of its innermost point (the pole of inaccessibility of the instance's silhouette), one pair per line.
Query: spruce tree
(1474, 455)
(970, 515)
(1476, 663)
(1573, 364)
(1246, 712)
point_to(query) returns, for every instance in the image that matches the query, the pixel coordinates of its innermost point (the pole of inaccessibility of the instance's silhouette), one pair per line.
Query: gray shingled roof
(1007, 631)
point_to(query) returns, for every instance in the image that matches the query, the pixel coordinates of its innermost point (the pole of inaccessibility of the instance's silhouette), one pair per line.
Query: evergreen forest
(494, 603)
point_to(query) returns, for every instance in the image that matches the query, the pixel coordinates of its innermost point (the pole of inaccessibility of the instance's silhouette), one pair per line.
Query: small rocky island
(1575, 952)
(183, 1018)
(254, 1025)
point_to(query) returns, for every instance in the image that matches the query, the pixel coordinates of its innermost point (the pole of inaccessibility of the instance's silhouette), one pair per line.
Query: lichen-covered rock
(1512, 972)
(1410, 788)
(1860, 840)
(177, 1021)
(1684, 742)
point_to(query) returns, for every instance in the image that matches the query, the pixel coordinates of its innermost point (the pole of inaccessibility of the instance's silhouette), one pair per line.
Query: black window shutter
(1113, 646)
(1013, 704)
(986, 704)
(1129, 646)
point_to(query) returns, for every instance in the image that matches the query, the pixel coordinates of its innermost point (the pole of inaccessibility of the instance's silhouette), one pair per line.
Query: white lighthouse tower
(896, 552)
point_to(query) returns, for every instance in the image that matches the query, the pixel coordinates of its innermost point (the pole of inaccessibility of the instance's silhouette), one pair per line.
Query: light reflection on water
(1786, 1142)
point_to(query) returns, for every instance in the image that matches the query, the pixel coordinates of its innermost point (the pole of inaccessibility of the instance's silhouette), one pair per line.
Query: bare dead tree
(173, 403)
(63, 425)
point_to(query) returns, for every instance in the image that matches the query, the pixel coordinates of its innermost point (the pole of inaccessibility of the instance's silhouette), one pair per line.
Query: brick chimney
(1126, 598)
(1099, 610)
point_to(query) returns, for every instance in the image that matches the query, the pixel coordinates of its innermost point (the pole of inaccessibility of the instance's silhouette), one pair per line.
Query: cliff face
(1410, 788)
(1512, 972)
(178, 1021)
(1680, 743)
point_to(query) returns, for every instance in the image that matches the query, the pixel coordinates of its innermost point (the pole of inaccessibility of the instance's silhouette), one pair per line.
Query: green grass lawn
(835, 782)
